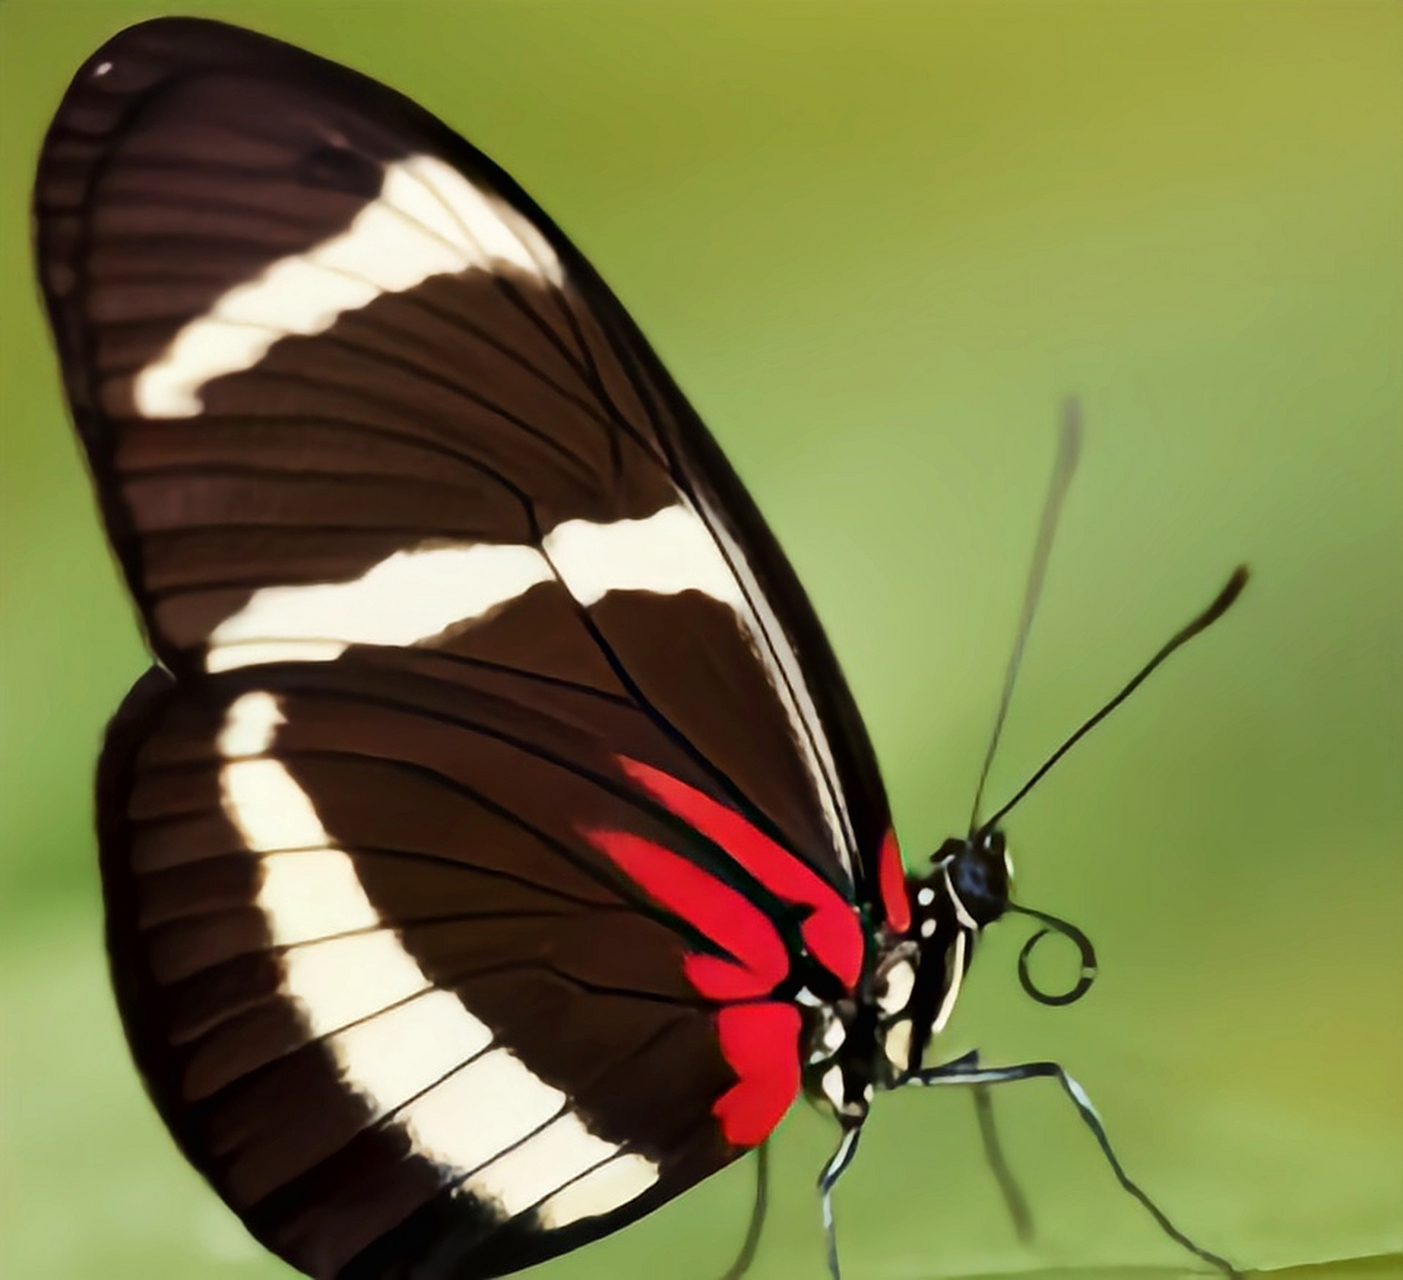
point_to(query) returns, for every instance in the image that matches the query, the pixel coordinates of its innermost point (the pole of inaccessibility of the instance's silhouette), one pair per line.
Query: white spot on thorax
(900, 979)
(925, 896)
(897, 1043)
(831, 1035)
(428, 220)
(398, 1042)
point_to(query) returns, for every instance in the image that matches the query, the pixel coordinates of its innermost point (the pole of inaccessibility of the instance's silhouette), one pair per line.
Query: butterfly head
(977, 875)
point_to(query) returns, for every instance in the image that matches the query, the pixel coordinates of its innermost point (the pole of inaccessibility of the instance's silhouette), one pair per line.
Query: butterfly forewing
(498, 770)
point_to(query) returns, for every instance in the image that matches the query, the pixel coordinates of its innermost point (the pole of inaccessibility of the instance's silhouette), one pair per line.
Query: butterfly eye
(979, 879)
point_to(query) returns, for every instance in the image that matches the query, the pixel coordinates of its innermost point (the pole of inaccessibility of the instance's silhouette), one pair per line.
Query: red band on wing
(832, 932)
(761, 1043)
(714, 909)
(891, 881)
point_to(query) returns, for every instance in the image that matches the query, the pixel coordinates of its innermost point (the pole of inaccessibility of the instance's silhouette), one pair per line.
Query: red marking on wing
(831, 932)
(715, 909)
(761, 1043)
(891, 881)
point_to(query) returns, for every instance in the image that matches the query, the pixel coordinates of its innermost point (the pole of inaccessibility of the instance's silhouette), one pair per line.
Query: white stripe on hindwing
(428, 220)
(615, 1182)
(407, 1048)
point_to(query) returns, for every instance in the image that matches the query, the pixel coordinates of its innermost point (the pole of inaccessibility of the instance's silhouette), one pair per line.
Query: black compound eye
(979, 877)
(971, 880)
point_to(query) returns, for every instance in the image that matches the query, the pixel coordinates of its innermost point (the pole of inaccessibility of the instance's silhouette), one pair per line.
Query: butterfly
(494, 849)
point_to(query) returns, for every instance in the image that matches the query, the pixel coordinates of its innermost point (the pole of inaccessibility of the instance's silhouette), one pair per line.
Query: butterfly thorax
(880, 1036)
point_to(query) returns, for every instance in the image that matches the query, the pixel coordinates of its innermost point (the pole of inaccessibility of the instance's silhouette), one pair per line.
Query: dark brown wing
(306, 329)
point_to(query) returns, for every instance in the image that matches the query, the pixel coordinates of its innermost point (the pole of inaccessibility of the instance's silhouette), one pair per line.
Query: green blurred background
(877, 243)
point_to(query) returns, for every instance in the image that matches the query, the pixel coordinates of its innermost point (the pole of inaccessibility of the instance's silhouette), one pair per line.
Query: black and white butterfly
(494, 850)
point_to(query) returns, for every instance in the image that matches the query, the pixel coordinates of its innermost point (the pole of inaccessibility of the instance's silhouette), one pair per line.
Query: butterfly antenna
(1221, 604)
(1068, 452)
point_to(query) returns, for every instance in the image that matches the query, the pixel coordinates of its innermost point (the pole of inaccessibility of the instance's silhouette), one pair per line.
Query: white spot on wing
(407, 598)
(343, 980)
(249, 726)
(527, 1174)
(311, 894)
(397, 1054)
(481, 1111)
(252, 653)
(669, 552)
(270, 810)
(481, 224)
(428, 220)
(612, 1184)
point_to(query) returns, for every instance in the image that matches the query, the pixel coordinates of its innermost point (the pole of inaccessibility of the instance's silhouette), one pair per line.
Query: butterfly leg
(965, 1071)
(1014, 1199)
(757, 1215)
(828, 1179)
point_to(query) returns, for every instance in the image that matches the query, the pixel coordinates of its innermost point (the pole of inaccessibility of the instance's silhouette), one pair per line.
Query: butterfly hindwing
(384, 958)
